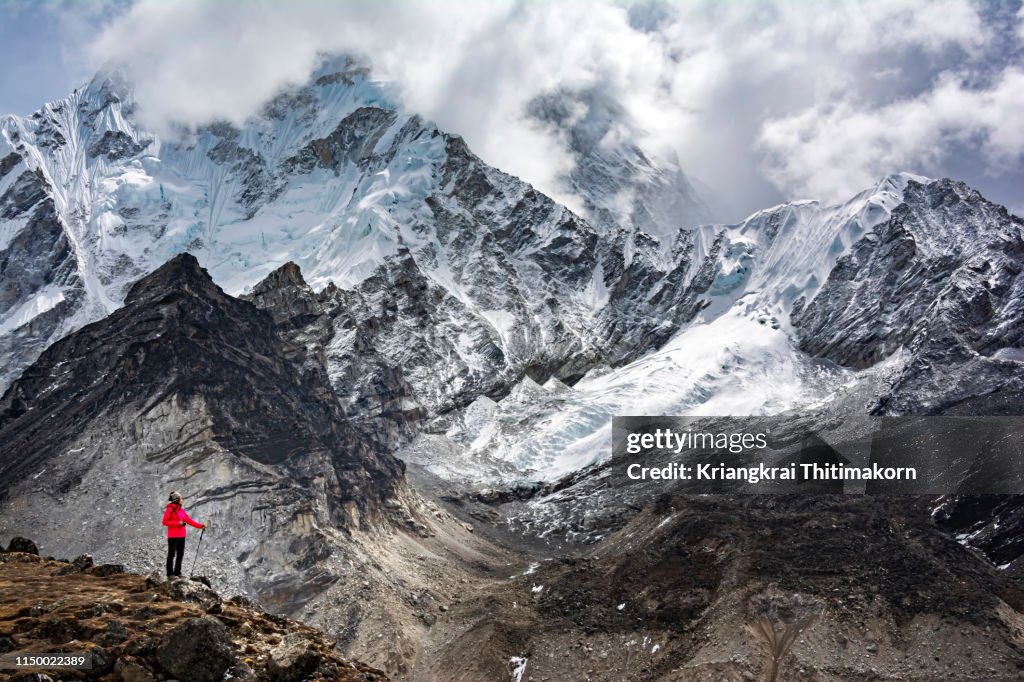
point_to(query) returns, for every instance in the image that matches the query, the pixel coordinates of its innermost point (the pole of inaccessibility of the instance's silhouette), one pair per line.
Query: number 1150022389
(31, 661)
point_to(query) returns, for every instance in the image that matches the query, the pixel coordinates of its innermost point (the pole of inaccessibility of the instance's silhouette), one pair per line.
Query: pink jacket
(174, 515)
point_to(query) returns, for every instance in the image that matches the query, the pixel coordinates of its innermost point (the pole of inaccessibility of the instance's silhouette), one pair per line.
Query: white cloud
(833, 150)
(734, 89)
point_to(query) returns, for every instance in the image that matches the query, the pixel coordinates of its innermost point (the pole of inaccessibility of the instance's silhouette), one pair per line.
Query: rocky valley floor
(755, 588)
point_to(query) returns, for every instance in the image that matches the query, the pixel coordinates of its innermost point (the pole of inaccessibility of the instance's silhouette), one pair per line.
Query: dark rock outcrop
(194, 591)
(78, 565)
(199, 649)
(106, 569)
(293, 659)
(116, 144)
(20, 544)
(179, 336)
(352, 141)
(992, 524)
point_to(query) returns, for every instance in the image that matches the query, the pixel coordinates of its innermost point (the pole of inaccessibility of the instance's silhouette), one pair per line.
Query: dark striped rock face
(186, 387)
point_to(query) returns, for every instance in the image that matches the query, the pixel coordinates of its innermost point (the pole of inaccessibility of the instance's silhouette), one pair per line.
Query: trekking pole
(191, 574)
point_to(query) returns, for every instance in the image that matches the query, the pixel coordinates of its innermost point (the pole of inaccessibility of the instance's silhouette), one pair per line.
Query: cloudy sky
(760, 101)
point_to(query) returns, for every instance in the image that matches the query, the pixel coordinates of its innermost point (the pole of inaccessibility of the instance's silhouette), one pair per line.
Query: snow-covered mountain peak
(784, 253)
(620, 184)
(332, 175)
(434, 280)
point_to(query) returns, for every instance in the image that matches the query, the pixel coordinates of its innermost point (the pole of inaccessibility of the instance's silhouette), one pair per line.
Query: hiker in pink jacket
(176, 519)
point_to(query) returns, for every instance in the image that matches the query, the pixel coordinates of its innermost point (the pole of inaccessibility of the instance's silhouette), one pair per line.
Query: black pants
(175, 552)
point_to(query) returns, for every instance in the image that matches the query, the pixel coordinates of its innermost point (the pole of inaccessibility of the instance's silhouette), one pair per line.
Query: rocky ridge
(188, 387)
(938, 286)
(142, 629)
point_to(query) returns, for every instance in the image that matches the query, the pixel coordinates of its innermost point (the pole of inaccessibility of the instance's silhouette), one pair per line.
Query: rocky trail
(144, 629)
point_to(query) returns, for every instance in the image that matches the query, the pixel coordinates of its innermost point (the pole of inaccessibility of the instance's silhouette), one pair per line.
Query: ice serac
(186, 386)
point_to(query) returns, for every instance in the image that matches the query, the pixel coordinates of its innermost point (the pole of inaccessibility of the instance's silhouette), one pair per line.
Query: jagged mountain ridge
(459, 279)
(336, 177)
(792, 292)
